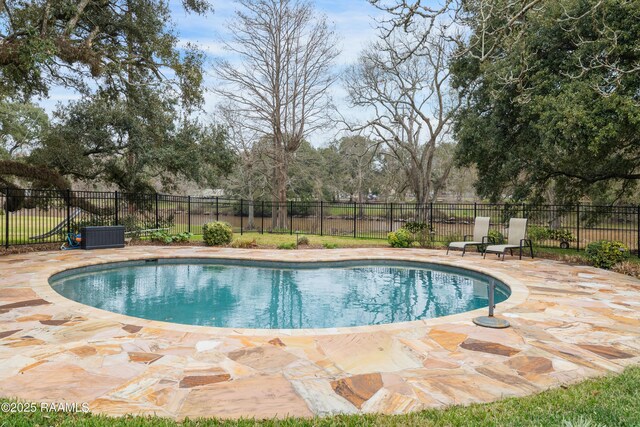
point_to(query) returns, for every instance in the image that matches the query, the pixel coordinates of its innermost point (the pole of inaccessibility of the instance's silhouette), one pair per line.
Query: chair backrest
(517, 230)
(480, 228)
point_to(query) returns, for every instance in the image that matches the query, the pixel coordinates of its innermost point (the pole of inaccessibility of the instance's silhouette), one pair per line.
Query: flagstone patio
(568, 323)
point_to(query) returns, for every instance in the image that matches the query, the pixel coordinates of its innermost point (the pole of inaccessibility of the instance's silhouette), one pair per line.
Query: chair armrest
(526, 241)
(488, 239)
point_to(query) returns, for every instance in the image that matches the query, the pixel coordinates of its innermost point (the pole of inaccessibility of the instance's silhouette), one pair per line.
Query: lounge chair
(517, 239)
(480, 236)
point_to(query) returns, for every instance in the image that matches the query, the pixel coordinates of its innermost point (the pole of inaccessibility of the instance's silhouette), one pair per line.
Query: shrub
(164, 237)
(420, 232)
(287, 245)
(605, 254)
(400, 239)
(330, 245)
(538, 234)
(496, 237)
(244, 244)
(217, 233)
(303, 240)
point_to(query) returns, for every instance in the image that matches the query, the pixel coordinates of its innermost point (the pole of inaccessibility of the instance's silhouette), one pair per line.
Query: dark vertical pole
(290, 217)
(262, 228)
(117, 205)
(638, 227)
(355, 213)
(523, 211)
(188, 214)
(68, 211)
(157, 213)
(322, 216)
(6, 218)
(578, 227)
(217, 211)
(431, 217)
(475, 210)
(241, 212)
(390, 217)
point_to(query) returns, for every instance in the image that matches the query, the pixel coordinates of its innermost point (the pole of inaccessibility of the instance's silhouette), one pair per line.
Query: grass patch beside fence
(607, 401)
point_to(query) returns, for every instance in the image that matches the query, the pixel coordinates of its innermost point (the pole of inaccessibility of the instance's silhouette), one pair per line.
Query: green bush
(400, 239)
(538, 234)
(496, 237)
(420, 232)
(303, 240)
(330, 245)
(217, 233)
(605, 253)
(164, 237)
(290, 245)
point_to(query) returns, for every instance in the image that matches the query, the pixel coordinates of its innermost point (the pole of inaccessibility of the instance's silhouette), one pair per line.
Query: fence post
(578, 227)
(355, 213)
(188, 214)
(6, 218)
(217, 210)
(157, 215)
(117, 205)
(322, 216)
(262, 212)
(391, 217)
(475, 211)
(290, 217)
(431, 218)
(68, 211)
(241, 211)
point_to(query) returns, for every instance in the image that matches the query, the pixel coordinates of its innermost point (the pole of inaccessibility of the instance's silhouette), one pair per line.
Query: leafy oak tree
(555, 105)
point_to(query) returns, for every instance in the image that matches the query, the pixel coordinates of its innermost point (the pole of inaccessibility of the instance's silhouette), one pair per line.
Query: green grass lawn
(607, 401)
(273, 240)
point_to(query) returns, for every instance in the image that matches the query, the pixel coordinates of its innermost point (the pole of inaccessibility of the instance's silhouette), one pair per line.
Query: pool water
(243, 294)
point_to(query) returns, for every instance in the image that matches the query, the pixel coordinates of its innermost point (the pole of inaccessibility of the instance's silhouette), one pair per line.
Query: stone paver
(568, 323)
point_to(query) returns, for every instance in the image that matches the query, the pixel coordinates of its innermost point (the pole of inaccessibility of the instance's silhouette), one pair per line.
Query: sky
(353, 20)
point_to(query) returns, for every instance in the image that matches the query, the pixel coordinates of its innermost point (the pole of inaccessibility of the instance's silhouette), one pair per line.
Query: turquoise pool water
(236, 294)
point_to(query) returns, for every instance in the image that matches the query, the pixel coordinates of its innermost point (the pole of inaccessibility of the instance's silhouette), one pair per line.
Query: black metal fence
(34, 216)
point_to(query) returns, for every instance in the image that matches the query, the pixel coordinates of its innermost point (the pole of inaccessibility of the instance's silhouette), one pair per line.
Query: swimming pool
(277, 295)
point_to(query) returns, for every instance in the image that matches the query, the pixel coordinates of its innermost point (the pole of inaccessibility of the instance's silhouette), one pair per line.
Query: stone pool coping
(569, 323)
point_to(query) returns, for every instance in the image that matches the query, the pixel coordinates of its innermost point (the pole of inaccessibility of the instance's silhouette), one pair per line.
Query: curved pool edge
(519, 293)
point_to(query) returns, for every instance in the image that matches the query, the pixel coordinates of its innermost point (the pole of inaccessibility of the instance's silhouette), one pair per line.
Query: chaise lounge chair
(480, 236)
(517, 239)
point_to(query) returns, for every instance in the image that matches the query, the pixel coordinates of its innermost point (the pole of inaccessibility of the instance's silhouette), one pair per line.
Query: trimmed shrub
(217, 233)
(303, 240)
(605, 254)
(400, 239)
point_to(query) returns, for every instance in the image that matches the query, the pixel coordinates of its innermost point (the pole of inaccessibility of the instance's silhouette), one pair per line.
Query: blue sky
(353, 20)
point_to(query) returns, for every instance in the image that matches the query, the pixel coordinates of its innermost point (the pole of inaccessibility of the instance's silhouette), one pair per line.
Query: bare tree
(251, 178)
(283, 55)
(411, 105)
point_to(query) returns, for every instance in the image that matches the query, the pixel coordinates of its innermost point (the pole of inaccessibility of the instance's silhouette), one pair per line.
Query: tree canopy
(555, 105)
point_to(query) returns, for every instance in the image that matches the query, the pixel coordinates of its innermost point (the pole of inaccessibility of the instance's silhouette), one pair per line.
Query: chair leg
(484, 254)
(521, 251)
(503, 254)
(531, 249)
(464, 249)
(448, 249)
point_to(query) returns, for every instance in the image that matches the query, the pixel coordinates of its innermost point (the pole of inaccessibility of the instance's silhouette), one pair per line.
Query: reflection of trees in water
(402, 294)
(285, 305)
(263, 297)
